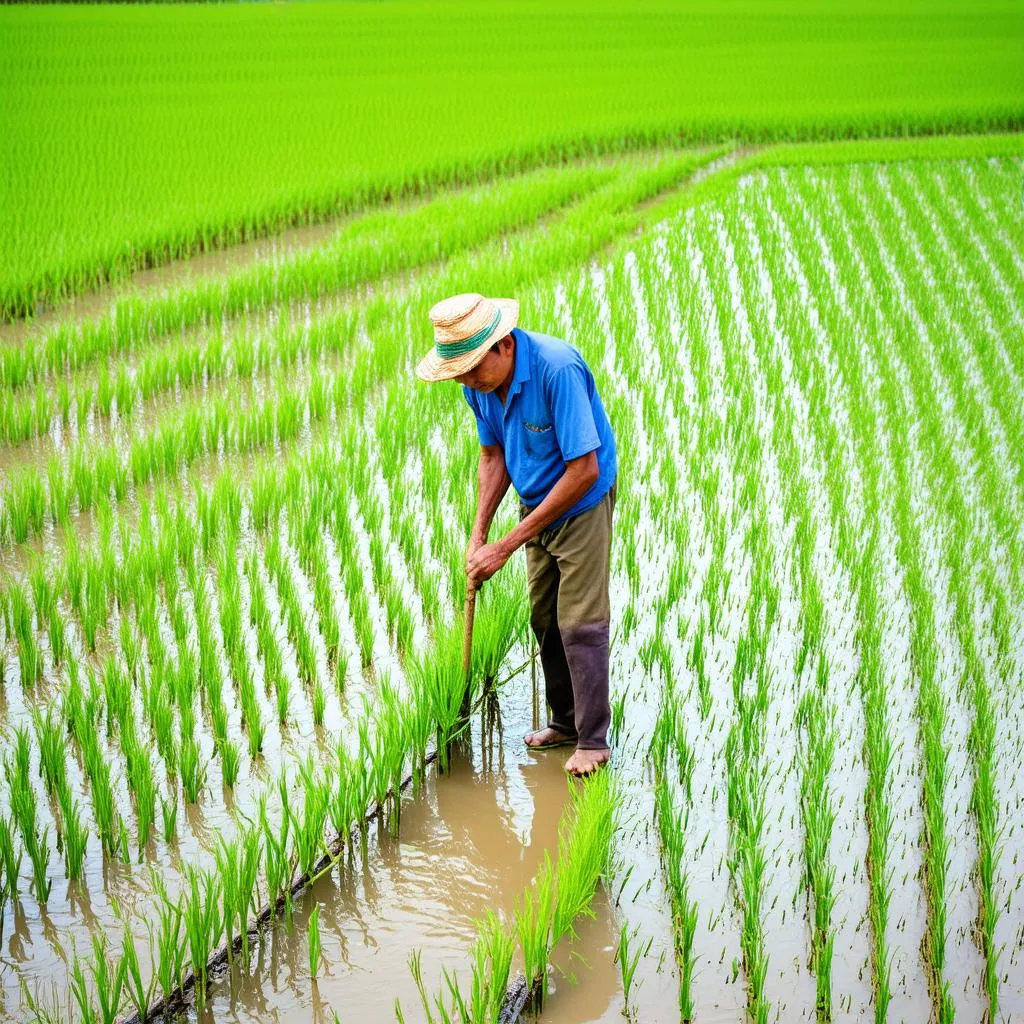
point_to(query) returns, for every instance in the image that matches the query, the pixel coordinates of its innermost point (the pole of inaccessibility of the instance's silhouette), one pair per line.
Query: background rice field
(232, 530)
(136, 133)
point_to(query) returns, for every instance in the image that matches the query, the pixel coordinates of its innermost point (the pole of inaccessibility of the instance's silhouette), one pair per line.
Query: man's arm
(579, 476)
(493, 482)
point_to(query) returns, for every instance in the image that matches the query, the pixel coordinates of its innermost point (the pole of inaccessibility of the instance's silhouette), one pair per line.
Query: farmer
(542, 427)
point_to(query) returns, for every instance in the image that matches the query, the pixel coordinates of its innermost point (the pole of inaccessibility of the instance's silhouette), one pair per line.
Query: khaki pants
(567, 568)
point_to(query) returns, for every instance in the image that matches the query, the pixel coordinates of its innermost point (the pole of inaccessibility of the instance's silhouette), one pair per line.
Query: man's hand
(475, 543)
(485, 561)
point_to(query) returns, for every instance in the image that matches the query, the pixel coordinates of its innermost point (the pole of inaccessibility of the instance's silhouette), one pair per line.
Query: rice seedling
(140, 993)
(229, 755)
(52, 752)
(24, 812)
(533, 917)
(191, 768)
(202, 923)
(629, 961)
(75, 836)
(30, 659)
(169, 964)
(10, 861)
(315, 955)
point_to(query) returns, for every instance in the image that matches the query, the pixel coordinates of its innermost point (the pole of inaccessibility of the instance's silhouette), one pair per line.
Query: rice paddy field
(244, 776)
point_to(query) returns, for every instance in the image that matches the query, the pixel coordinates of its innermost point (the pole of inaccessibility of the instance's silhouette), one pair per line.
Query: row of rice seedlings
(864, 568)
(30, 657)
(947, 321)
(223, 901)
(24, 415)
(280, 572)
(211, 426)
(963, 593)
(932, 713)
(669, 747)
(274, 675)
(819, 814)
(24, 814)
(932, 707)
(230, 607)
(95, 471)
(746, 778)
(545, 913)
(367, 248)
(815, 713)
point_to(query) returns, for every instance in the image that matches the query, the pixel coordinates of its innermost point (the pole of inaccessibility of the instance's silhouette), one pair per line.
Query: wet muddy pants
(567, 567)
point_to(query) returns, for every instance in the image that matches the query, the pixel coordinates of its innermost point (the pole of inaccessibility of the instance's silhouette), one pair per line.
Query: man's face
(493, 369)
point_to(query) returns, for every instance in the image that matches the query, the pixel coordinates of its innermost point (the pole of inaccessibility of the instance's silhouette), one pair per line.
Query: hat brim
(433, 368)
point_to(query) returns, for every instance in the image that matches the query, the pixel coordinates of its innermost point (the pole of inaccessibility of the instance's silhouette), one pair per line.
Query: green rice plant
(24, 812)
(82, 994)
(169, 816)
(533, 915)
(203, 923)
(315, 955)
(340, 670)
(141, 781)
(282, 690)
(276, 866)
(108, 981)
(439, 683)
(25, 505)
(52, 751)
(10, 860)
(696, 663)
(191, 768)
(627, 961)
(584, 839)
(140, 994)
(97, 768)
(230, 757)
(819, 817)
(308, 831)
(169, 964)
(252, 717)
(30, 659)
(75, 834)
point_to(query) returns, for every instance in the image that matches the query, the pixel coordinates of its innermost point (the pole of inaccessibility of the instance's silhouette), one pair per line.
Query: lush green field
(132, 133)
(232, 537)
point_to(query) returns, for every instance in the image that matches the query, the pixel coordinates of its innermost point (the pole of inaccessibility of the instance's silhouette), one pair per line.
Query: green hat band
(457, 348)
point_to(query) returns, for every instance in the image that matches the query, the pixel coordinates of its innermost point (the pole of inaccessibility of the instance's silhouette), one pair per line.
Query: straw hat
(465, 327)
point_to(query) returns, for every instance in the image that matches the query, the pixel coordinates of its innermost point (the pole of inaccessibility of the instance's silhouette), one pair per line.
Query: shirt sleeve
(572, 413)
(484, 432)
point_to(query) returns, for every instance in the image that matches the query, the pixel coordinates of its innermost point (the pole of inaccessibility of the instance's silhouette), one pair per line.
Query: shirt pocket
(540, 441)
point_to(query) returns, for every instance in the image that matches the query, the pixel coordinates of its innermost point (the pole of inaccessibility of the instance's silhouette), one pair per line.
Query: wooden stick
(467, 636)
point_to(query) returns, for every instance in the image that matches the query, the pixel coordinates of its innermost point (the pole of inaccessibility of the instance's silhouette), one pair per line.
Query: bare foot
(544, 739)
(586, 762)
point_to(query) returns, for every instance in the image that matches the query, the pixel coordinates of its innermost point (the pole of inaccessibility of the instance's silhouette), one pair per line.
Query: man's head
(495, 367)
(466, 329)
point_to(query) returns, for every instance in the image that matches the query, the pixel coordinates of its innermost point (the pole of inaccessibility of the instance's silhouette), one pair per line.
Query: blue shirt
(551, 414)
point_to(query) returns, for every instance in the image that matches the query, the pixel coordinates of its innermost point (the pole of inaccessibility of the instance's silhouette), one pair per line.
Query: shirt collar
(522, 370)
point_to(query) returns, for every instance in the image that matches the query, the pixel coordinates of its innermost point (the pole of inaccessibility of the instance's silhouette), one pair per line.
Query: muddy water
(471, 841)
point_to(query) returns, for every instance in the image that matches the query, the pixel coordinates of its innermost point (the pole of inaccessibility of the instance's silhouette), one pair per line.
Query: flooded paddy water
(818, 643)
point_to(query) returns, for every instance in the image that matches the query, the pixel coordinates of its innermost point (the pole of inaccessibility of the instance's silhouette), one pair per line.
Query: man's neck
(502, 389)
